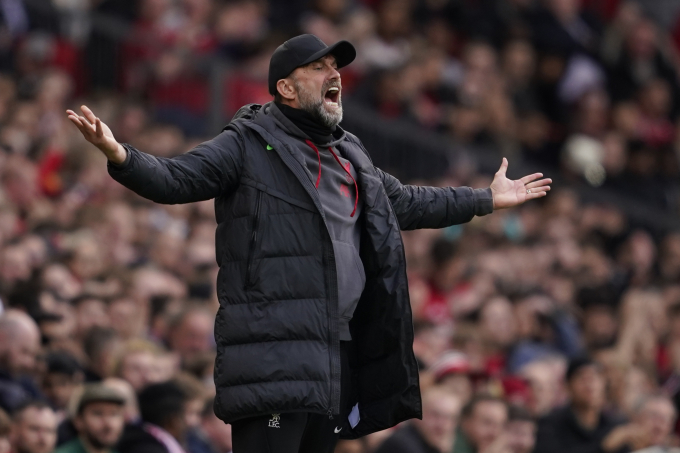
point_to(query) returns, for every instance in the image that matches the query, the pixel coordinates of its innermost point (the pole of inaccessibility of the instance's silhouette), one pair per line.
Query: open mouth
(332, 96)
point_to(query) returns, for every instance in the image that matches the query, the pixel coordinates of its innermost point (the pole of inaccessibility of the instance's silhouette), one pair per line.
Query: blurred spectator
(62, 377)
(482, 427)
(19, 346)
(216, 432)
(520, 430)
(583, 424)
(163, 428)
(34, 428)
(99, 420)
(435, 433)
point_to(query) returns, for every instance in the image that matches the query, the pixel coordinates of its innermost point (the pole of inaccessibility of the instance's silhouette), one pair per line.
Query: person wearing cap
(99, 420)
(314, 332)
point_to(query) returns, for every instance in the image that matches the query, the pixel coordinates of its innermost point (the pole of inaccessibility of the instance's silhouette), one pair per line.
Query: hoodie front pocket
(351, 277)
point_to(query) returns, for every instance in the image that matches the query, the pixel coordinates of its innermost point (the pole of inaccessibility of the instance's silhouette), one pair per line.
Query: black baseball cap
(302, 50)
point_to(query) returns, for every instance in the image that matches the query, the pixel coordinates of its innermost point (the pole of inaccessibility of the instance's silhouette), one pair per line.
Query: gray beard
(316, 108)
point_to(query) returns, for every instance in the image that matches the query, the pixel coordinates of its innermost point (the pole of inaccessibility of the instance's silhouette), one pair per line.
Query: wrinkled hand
(98, 133)
(508, 193)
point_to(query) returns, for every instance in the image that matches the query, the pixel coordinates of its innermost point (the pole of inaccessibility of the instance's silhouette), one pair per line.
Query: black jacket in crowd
(277, 326)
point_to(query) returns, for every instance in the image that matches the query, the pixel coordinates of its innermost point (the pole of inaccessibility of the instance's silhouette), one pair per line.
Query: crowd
(550, 328)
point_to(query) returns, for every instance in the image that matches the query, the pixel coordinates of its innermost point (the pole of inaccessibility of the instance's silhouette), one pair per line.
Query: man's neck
(587, 417)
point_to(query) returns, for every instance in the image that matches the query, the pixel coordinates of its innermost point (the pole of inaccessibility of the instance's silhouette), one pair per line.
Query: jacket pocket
(253, 241)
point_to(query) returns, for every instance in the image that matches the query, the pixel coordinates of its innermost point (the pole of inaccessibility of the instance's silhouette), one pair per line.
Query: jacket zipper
(253, 241)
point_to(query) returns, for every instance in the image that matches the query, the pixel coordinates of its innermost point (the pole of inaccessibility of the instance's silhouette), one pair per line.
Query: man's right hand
(98, 133)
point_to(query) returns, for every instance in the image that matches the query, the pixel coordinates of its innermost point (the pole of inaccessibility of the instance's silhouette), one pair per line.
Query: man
(651, 429)
(63, 375)
(99, 421)
(482, 426)
(520, 431)
(655, 416)
(34, 428)
(19, 346)
(299, 299)
(582, 426)
(434, 433)
(163, 428)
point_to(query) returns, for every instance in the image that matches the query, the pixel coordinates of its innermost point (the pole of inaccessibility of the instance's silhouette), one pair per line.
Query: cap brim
(343, 51)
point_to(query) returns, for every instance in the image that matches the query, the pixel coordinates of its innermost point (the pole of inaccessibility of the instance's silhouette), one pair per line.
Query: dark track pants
(301, 432)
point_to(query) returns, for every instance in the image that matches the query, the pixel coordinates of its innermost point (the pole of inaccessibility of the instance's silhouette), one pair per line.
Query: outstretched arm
(203, 173)
(435, 207)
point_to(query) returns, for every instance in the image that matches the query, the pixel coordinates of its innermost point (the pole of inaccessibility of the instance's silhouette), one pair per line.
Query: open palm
(508, 193)
(98, 133)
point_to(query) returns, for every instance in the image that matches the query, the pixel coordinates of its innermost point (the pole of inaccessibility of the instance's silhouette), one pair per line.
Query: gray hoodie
(337, 192)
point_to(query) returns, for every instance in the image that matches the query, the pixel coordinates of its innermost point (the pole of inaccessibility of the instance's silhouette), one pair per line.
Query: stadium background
(585, 91)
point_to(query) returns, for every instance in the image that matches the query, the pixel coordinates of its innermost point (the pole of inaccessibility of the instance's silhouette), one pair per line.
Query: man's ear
(286, 89)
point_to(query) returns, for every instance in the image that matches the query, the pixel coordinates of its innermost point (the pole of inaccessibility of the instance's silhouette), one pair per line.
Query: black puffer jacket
(277, 325)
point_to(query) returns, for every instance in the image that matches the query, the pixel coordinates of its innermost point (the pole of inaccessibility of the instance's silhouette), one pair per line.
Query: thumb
(504, 167)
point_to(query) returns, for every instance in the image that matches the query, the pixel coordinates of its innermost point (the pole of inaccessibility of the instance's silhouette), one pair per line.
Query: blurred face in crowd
(193, 334)
(485, 423)
(498, 322)
(217, 431)
(91, 313)
(657, 418)
(315, 88)
(58, 387)
(440, 418)
(521, 436)
(587, 388)
(138, 368)
(19, 343)
(34, 431)
(100, 424)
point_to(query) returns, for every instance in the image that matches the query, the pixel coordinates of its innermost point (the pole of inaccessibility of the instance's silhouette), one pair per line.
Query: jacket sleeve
(434, 207)
(207, 171)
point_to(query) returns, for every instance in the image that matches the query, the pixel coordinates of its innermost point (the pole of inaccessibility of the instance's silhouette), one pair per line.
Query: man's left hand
(508, 193)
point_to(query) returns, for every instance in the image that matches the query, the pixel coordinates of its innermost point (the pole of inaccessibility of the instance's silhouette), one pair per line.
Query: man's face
(318, 89)
(587, 388)
(521, 436)
(101, 424)
(657, 418)
(486, 423)
(440, 418)
(19, 355)
(35, 431)
(59, 387)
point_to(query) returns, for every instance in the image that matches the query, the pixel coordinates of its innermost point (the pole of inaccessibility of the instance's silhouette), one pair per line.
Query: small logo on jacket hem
(274, 422)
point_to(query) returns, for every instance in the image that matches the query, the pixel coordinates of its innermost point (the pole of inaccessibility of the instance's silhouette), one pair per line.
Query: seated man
(99, 421)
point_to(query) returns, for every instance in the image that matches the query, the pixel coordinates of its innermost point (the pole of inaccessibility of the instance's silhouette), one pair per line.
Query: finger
(542, 182)
(74, 119)
(527, 179)
(98, 128)
(540, 189)
(504, 167)
(88, 113)
(86, 123)
(534, 195)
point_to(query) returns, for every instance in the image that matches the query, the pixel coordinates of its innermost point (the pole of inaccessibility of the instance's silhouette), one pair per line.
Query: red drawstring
(356, 188)
(318, 178)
